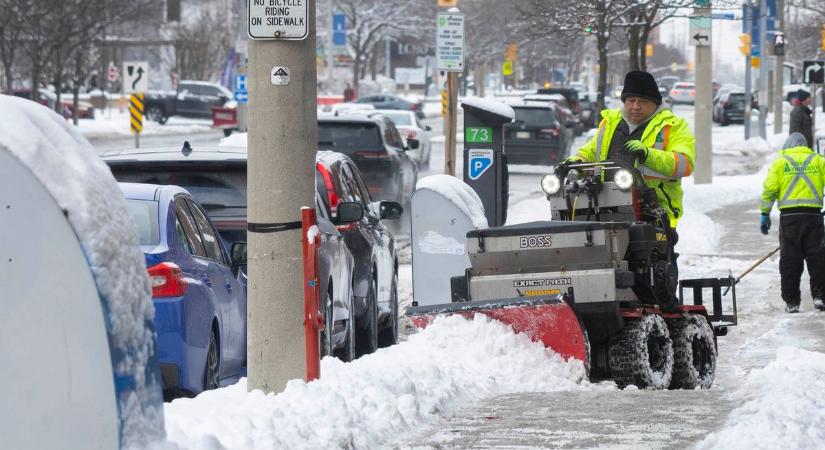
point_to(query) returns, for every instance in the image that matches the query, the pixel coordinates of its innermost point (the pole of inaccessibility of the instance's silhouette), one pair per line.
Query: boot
(819, 305)
(791, 309)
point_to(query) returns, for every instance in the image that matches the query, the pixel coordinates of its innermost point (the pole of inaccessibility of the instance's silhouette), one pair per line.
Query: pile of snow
(83, 186)
(362, 404)
(459, 193)
(493, 106)
(783, 406)
(234, 140)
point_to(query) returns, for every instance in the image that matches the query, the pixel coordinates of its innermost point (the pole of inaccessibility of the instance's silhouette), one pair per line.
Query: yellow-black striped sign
(443, 102)
(136, 112)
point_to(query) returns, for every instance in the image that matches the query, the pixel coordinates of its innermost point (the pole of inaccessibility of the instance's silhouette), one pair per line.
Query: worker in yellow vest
(795, 181)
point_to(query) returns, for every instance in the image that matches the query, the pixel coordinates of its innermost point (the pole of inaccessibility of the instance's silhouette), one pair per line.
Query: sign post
(450, 58)
(136, 116)
(700, 37)
(282, 136)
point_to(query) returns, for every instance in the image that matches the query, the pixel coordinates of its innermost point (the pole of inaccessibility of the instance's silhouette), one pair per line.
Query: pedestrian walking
(802, 118)
(795, 181)
(349, 93)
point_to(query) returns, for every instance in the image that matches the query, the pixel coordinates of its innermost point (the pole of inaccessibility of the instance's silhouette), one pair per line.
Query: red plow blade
(549, 321)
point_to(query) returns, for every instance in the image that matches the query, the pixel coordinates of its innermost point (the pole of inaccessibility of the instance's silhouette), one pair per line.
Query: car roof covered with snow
(176, 154)
(142, 191)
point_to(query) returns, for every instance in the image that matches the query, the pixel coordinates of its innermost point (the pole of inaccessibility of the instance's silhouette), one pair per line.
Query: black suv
(537, 135)
(376, 147)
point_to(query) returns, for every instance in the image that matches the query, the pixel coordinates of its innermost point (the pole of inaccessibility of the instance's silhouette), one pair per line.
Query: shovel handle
(753, 266)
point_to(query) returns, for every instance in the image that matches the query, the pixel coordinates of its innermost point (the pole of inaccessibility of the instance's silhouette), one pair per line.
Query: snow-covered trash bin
(444, 209)
(79, 369)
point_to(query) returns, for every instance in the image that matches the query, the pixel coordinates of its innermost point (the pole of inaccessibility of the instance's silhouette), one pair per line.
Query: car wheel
(157, 114)
(325, 337)
(227, 132)
(211, 373)
(367, 339)
(389, 335)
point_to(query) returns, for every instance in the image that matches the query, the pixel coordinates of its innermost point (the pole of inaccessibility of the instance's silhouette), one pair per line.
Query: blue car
(199, 295)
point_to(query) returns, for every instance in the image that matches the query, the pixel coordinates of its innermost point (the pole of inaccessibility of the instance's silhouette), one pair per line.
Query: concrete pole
(450, 123)
(748, 72)
(283, 136)
(763, 69)
(702, 106)
(779, 73)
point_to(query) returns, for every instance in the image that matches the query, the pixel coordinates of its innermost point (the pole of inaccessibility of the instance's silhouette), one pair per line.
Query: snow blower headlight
(623, 179)
(551, 184)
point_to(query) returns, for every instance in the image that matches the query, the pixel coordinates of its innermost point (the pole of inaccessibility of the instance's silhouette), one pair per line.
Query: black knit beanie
(641, 84)
(802, 95)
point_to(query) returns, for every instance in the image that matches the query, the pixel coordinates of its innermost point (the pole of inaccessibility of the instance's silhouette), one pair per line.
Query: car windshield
(683, 86)
(535, 116)
(145, 215)
(737, 98)
(220, 190)
(400, 119)
(349, 137)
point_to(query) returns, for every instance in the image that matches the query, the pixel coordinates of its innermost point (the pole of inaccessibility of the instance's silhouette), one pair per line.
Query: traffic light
(779, 44)
(511, 54)
(649, 50)
(745, 40)
(588, 29)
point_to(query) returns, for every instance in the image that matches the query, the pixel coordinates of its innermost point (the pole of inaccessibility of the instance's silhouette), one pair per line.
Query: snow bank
(234, 140)
(361, 404)
(459, 193)
(493, 106)
(783, 406)
(84, 187)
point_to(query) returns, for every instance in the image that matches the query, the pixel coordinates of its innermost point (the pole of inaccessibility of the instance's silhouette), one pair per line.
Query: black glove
(564, 166)
(638, 149)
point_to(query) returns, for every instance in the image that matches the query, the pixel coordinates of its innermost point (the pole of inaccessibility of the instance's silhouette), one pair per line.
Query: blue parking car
(199, 295)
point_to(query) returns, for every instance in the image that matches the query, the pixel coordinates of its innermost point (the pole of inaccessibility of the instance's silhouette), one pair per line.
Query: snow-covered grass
(116, 123)
(782, 406)
(453, 362)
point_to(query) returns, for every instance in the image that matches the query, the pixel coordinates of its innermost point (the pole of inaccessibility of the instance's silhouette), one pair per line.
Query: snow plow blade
(550, 321)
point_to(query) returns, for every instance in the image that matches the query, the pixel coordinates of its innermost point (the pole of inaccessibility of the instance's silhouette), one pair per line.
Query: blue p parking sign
(480, 161)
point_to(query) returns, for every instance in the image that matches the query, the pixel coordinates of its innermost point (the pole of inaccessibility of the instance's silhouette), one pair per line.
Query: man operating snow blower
(646, 130)
(796, 180)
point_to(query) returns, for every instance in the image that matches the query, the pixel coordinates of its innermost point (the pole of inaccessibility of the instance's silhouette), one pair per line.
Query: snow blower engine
(597, 283)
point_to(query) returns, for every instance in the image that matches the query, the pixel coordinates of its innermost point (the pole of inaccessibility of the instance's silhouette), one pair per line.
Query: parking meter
(485, 163)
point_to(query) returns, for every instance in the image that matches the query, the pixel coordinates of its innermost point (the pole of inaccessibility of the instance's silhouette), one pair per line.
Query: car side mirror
(428, 128)
(390, 210)
(349, 212)
(413, 144)
(238, 256)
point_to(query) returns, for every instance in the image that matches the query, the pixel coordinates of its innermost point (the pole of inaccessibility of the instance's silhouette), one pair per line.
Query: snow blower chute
(597, 283)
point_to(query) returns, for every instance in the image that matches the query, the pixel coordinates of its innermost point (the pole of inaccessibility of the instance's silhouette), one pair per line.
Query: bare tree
(369, 22)
(201, 46)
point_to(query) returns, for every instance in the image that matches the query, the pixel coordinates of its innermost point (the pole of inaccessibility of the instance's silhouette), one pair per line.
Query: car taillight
(332, 197)
(411, 134)
(380, 155)
(693, 93)
(673, 92)
(548, 133)
(167, 280)
(415, 107)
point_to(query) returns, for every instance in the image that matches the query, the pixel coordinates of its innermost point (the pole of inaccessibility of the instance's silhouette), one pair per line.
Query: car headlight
(550, 184)
(623, 179)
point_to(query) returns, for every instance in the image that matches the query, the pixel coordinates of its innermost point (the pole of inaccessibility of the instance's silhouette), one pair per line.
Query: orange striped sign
(136, 113)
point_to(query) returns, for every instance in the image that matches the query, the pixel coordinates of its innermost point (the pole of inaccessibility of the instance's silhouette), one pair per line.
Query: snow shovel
(753, 266)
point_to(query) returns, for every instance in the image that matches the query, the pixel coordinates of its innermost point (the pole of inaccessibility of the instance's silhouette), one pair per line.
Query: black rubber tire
(642, 354)
(157, 114)
(389, 335)
(325, 337)
(366, 339)
(227, 132)
(211, 373)
(694, 353)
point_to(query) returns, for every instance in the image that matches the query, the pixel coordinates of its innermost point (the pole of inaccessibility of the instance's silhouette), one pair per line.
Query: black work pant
(801, 238)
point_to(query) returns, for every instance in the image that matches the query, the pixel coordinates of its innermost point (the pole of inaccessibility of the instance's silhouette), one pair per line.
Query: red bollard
(313, 319)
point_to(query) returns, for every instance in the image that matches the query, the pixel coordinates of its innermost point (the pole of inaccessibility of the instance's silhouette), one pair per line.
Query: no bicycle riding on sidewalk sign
(278, 19)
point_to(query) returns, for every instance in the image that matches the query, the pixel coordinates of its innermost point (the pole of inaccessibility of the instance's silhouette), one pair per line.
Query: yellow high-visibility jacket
(670, 157)
(795, 179)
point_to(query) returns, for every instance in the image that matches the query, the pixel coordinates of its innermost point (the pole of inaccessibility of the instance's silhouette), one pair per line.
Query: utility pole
(283, 138)
(763, 69)
(703, 101)
(450, 123)
(779, 70)
(748, 70)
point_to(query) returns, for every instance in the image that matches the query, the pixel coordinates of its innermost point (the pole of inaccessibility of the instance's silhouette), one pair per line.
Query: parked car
(85, 110)
(683, 93)
(191, 99)
(216, 176)
(572, 116)
(375, 273)
(667, 82)
(538, 135)
(198, 294)
(376, 147)
(729, 108)
(411, 128)
(387, 101)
